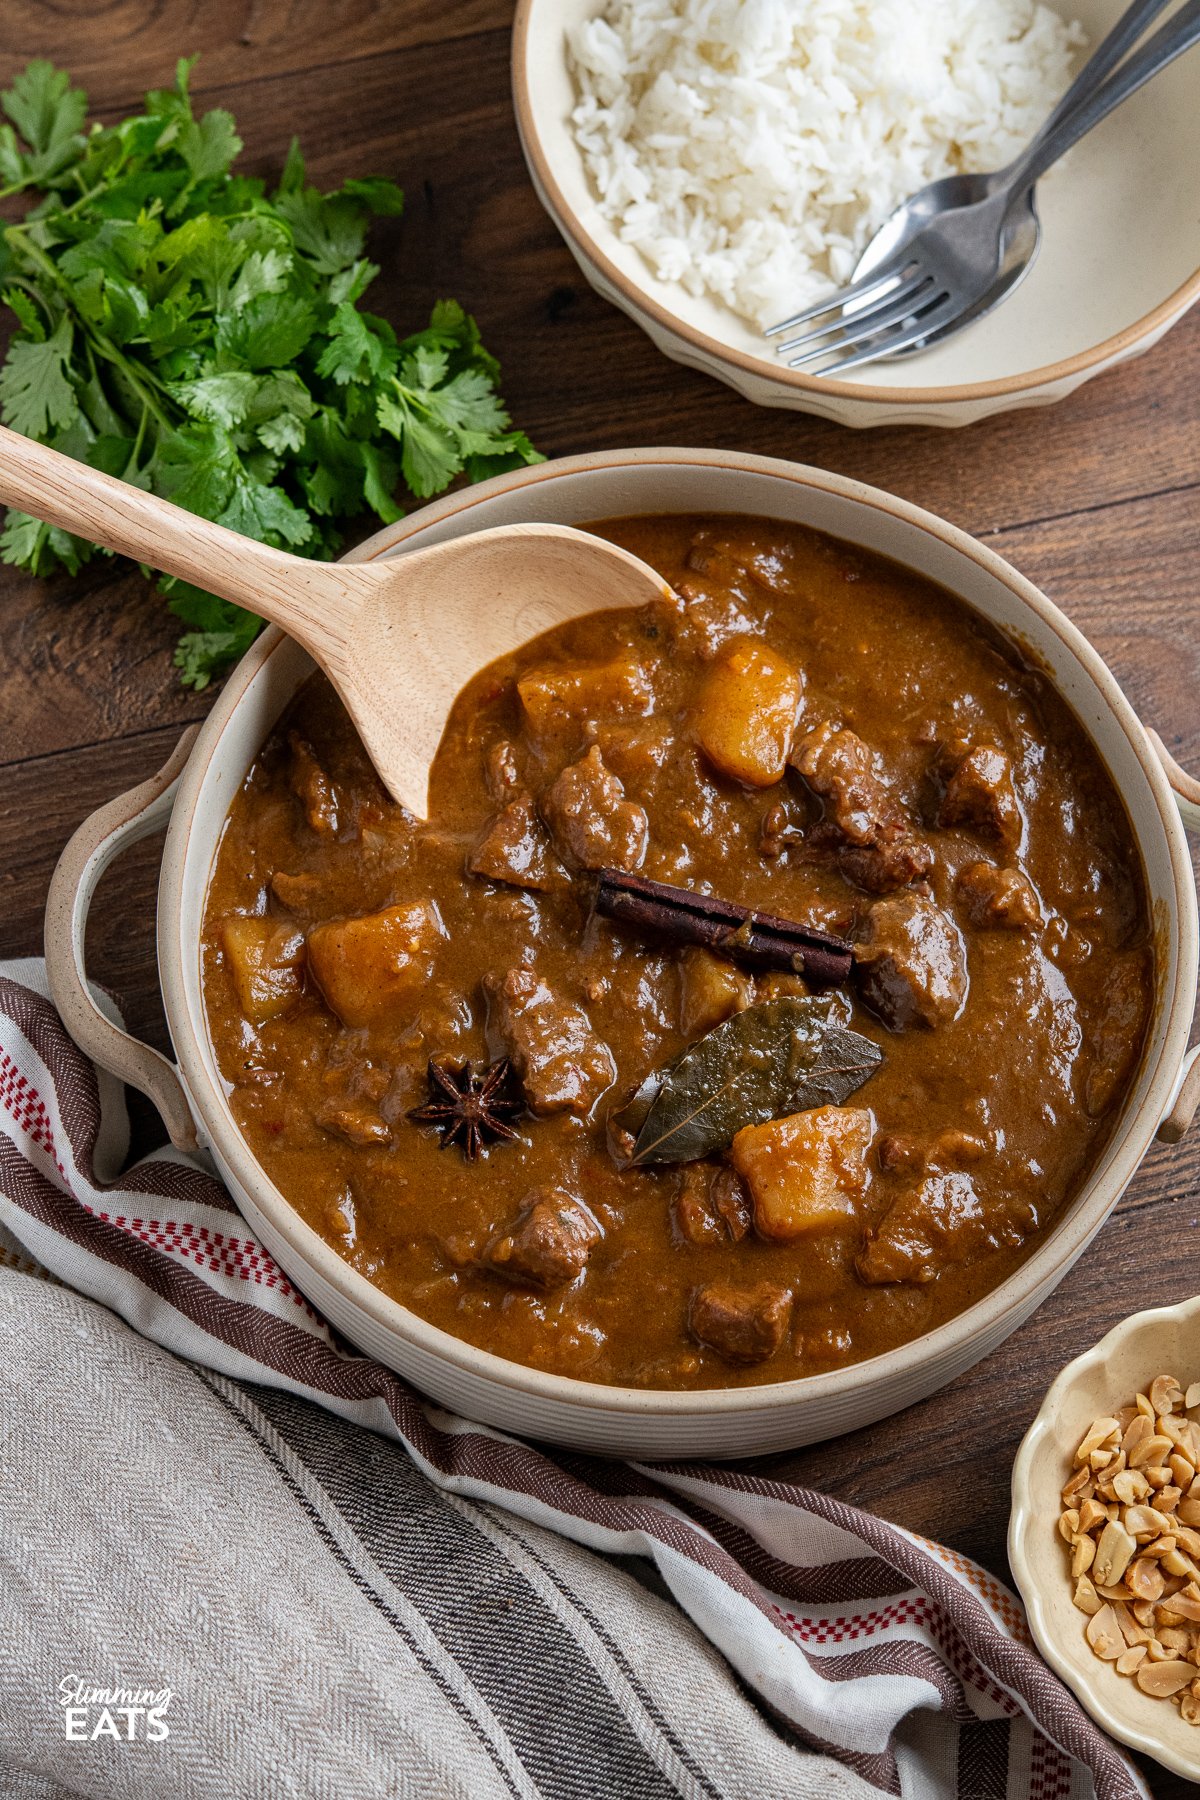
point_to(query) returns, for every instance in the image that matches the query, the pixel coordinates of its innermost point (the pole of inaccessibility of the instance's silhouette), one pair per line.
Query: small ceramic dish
(1165, 1341)
(1119, 261)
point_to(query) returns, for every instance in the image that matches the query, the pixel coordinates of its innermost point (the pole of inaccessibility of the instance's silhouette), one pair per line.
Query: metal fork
(960, 245)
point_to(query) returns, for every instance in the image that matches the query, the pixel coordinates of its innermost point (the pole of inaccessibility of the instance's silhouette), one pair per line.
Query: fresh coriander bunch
(185, 330)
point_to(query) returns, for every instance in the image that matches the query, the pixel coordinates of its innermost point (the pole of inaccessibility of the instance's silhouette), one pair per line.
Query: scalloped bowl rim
(1089, 1693)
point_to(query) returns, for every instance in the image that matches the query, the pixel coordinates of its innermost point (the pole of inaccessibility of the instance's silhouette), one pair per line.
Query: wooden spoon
(398, 637)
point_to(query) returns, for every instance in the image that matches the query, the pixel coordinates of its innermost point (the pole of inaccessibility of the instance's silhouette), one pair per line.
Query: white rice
(750, 148)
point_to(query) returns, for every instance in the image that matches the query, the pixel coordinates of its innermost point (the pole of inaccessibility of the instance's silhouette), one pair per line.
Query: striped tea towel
(417, 1608)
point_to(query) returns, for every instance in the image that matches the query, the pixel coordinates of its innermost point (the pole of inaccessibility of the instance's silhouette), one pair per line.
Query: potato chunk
(710, 990)
(266, 960)
(369, 966)
(747, 712)
(806, 1171)
(557, 702)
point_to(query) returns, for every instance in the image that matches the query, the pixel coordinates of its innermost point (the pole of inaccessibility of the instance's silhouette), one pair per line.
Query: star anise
(469, 1108)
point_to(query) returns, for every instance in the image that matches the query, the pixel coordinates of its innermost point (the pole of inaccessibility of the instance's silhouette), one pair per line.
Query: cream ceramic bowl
(1119, 262)
(730, 1422)
(1163, 1342)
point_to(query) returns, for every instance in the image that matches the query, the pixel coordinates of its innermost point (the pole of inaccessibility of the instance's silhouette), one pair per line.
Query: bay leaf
(777, 1057)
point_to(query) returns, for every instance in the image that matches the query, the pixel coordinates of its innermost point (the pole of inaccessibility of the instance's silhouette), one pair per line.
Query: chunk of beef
(370, 967)
(299, 893)
(927, 1228)
(804, 1172)
(872, 834)
(980, 793)
(265, 957)
(911, 964)
(710, 990)
(710, 1206)
(950, 1149)
(560, 702)
(312, 787)
(997, 899)
(549, 1245)
(357, 1124)
(742, 1324)
(839, 768)
(693, 1220)
(591, 819)
(731, 1203)
(514, 849)
(562, 1064)
(894, 862)
(746, 714)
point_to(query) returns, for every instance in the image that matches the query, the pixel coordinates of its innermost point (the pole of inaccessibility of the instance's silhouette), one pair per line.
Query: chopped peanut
(1130, 1519)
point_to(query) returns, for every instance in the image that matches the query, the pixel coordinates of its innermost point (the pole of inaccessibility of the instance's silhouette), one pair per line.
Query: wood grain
(1097, 499)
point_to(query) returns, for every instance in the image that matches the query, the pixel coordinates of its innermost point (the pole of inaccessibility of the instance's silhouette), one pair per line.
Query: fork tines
(890, 310)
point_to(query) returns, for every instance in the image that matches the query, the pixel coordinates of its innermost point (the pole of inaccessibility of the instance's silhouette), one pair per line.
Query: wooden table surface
(1097, 500)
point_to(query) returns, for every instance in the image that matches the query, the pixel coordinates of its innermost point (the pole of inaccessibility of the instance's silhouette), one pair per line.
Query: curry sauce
(810, 731)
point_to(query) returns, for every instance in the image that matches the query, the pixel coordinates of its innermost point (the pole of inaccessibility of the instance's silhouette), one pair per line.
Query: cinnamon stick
(757, 940)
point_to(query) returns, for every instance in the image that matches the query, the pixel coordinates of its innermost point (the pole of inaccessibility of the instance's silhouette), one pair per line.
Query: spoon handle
(308, 599)
(1181, 32)
(1124, 35)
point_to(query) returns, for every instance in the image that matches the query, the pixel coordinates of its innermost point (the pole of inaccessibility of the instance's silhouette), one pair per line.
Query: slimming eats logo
(126, 1714)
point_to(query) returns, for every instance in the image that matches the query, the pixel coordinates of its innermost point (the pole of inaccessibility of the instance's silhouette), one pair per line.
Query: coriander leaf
(380, 196)
(195, 467)
(183, 331)
(425, 368)
(267, 332)
(330, 231)
(333, 477)
(353, 352)
(512, 451)
(280, 411)
(263, 272)
(292, 179)
(48, 112)
(379, 483)
(41, 548)
(210, 144)
(35, 390)
(469, 402)
(428, 455)
(202, 250)
(265, 513)
(13, 166)
(28, 316)
(200, 655)
(21, 539)
(221, 399)
(352, 283)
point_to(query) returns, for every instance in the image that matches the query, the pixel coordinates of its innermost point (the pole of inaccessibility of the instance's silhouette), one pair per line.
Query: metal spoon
(1021, 231)
(398, 638)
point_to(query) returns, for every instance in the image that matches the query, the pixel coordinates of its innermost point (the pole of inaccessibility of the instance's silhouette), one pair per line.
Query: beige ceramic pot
(193, 794)
(1119, 262)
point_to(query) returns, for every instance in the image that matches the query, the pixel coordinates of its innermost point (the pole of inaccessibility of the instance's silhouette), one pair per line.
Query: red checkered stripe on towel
(914, 1609)
(1049, 1771)
(25, 1106)
(239, 1258)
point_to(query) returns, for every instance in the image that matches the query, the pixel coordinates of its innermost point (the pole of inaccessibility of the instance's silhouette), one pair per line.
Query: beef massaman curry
(540, 1070)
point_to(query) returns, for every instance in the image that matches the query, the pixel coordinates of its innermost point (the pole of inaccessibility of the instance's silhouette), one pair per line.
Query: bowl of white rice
(715, 165)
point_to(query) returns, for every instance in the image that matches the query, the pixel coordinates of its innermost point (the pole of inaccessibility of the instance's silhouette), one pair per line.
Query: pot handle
(100, 839)
(1186, 789)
